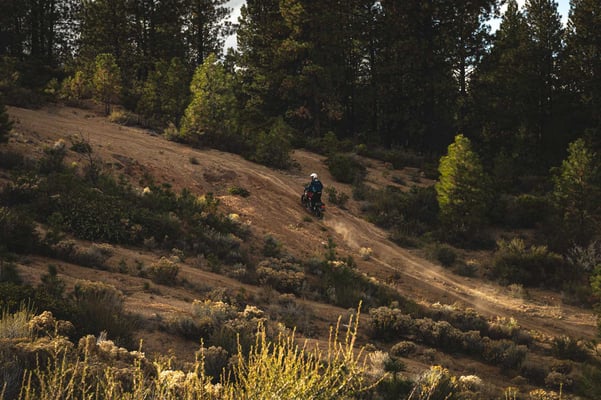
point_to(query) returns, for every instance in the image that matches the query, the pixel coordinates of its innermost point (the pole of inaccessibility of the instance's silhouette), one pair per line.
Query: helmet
(313, 175)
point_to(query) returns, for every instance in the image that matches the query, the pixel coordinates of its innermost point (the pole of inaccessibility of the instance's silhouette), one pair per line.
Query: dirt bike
(318, 209)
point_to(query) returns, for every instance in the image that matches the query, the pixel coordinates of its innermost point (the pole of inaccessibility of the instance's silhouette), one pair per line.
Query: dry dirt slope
(272, 208)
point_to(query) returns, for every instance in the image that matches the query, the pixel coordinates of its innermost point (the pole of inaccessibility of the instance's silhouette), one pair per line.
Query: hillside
(272, 208)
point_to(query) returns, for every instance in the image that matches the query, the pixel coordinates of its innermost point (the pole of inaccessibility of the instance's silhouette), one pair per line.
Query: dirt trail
(272, 208)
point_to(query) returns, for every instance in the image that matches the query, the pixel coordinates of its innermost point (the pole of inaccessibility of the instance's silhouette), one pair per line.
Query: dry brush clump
(284, 275)
(281, 368)
(164, 271)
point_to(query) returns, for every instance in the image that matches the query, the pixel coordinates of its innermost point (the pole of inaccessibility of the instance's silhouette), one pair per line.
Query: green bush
(17, 232)
(445, 254)
(11, 160)
(124, 118)
(346, 169)
(283, 275)
(271, 247)
(238, 191)
(410, 213)
(514, 262)
(335, 197)
(8, 272)
(526, 211)
(403, 349)
(568, 348)
(435, 384)
(98, 308)
(534, 371)
(191, 328)
(504, 353)
(164, 272)
(390, 323)
(272, 148)
(52, 161)
(5, 123)
(16, 324)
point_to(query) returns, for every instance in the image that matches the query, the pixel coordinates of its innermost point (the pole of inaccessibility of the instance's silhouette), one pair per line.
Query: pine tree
(467, 34)
(5, 123)
(106, 81)
(262, 69)
(416, 89)
(211, 118)
(164, 94)
(462, 190)
(205, 27)
(500, 93)
(577, 187)
(583, 66)
(546, 48)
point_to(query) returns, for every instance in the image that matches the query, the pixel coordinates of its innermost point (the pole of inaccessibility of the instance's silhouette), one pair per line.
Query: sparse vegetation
(55, 206)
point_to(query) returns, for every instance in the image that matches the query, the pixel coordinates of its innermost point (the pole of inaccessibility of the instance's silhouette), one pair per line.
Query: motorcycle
(318, 209)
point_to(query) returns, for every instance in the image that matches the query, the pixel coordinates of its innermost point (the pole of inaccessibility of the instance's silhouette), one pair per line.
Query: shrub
(435, 384)
(531, 266)
(80, 145)
(52, 161)
(403, 349)
(8, 272)
(272, 148)
(346, 169)
(557, 380)
(566, 347)
(5, 122)
(526, 210)
(191, 328)
(284, 276)
(164, 271)
(504, 353)
(94, 256)
(11, 160)
(336, 374)
(388, 323)
(535, 372)
(15, 325)
(215, 360)
(17, 232)
(123, 117)
(335, 197)
(503, 328)
(271, 247)
(238, 191)
(445, 254)
(99, 307)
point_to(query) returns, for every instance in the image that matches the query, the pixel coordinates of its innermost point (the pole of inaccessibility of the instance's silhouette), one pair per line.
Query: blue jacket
(315, 186)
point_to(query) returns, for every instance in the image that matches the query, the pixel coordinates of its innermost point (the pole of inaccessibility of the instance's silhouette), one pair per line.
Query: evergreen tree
(583, 66)
(164, 94)
(577, 188)
(205, 27)
(462, 190)
(500, 93)
(106, 81)
(5, 123)
(262, 69)
(211, 118)
(416, 89)
(467, 34)
(106, 28)
(546, 47)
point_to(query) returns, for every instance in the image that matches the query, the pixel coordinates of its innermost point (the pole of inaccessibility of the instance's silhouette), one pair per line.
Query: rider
(314, 189)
